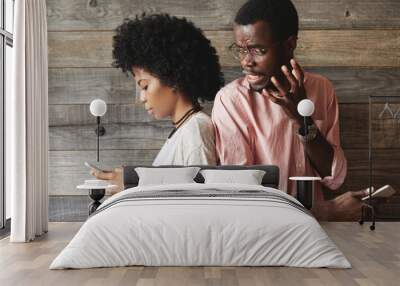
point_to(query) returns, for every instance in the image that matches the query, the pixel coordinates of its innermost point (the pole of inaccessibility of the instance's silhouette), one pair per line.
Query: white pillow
(164, 176)
(248, 177)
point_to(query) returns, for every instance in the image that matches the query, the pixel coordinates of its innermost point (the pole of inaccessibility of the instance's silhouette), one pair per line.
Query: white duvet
(207, 230)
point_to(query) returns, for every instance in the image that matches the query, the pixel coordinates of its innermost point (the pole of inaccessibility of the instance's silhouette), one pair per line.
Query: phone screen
(93, 166)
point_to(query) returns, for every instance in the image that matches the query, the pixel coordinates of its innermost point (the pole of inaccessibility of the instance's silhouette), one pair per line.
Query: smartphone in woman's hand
(93, 166)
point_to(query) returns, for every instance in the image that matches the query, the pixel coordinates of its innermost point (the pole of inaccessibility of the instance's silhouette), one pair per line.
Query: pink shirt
(251, 130)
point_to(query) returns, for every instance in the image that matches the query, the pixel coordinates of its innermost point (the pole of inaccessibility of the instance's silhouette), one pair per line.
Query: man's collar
(246, 83)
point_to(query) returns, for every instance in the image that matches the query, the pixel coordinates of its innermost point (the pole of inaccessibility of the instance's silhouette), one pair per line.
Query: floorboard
(374, 255)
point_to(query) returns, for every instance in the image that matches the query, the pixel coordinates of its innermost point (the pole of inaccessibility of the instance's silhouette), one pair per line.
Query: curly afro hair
(173, 50)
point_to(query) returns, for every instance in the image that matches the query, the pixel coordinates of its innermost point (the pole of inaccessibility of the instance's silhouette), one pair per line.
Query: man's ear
(291, 45)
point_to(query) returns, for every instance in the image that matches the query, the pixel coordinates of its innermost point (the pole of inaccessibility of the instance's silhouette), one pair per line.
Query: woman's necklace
(182, 120)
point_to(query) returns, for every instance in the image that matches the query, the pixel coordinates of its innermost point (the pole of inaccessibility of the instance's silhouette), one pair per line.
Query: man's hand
(289, 99)
(115, 177)
(346, 207)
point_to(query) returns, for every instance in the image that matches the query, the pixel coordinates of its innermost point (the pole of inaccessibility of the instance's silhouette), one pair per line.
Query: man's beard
(268, 85)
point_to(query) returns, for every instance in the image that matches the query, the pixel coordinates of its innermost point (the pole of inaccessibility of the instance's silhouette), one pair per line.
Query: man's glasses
(256, 53)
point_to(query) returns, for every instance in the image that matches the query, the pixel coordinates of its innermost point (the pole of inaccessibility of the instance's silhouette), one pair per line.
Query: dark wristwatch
(311, 135)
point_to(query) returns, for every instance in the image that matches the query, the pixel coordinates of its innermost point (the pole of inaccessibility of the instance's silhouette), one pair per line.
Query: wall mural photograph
(200, 142)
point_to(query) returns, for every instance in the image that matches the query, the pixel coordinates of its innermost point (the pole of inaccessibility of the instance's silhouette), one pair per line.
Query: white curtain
(27, 123)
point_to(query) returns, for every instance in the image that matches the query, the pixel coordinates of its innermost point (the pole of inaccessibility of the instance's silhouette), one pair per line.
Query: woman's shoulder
(198, 140)
(199, 130)
(201, 122)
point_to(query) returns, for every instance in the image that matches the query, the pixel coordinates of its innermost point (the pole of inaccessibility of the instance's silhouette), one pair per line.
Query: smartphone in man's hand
(384, 192)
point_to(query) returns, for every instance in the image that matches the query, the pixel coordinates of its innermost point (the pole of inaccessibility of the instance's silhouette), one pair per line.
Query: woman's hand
(115, 177)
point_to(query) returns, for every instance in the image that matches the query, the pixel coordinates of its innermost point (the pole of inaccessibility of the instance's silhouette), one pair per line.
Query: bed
(201, 224)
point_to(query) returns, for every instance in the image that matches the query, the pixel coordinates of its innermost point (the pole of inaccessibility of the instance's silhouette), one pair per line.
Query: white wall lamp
(305, 192)
(98, 108)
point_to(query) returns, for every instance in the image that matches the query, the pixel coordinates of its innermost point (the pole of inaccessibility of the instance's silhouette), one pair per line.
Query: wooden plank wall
(356, 43)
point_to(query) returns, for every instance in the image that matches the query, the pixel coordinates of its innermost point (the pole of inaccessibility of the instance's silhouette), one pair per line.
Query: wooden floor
(375, 257)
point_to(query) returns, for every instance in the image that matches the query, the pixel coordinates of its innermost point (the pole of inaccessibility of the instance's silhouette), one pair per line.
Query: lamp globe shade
(98, 107)
(306, 107)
